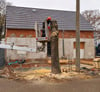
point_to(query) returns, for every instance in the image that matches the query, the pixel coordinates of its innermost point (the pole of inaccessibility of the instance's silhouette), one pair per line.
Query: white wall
(89, 51)
(29, 42)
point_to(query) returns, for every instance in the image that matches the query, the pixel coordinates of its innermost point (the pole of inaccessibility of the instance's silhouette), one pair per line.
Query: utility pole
(0, 26)
(78, 35)
(55, 66)
(63, 44)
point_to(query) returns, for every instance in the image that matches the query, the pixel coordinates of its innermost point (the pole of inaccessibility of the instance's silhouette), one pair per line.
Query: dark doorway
(49, 49)
(98, 50)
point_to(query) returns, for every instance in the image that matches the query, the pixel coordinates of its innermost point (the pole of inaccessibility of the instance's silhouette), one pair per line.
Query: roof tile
(24, 18)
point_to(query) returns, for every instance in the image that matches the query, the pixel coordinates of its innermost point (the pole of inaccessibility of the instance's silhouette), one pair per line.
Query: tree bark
(55, 66)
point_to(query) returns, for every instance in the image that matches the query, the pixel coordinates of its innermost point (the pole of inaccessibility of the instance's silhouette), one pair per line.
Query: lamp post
(78, 35)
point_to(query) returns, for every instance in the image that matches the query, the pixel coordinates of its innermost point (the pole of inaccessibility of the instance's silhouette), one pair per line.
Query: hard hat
(48, 27)
(49, 18)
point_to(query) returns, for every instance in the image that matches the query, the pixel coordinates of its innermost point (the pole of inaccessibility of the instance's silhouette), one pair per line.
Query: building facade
(21, 31)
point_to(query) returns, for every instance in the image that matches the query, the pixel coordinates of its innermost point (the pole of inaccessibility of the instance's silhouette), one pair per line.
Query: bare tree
(3, 5)
(8, 4)
(93, 16)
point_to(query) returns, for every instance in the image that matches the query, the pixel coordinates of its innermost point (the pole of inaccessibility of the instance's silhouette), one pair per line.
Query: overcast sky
(57, 4)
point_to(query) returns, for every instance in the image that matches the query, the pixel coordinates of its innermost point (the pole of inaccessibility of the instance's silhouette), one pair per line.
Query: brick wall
(67, 34)
(72, 34)
(19, 32)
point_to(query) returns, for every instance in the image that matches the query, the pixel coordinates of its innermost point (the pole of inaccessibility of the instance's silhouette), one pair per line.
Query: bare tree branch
(93, 16)
(3, 4)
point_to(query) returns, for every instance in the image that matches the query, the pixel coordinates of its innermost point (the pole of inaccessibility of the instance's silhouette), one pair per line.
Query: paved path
(92, 85)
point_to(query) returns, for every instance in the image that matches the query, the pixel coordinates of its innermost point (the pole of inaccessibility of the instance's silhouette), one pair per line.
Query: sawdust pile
(45, 74)
(33, 74)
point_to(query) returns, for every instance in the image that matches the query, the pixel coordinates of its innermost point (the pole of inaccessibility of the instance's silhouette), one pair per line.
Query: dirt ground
(91, 85)
(36, 83)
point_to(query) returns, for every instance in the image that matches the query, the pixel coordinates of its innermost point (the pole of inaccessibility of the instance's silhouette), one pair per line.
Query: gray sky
(58, 4)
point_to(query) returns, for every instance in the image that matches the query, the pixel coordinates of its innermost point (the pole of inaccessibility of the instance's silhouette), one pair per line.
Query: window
(21, 35)
(82, 45)
(13, 35)
(29, 36)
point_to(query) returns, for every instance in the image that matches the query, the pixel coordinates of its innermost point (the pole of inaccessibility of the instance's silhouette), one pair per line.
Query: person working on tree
(49, 22)
(43, 30)
(43, 33)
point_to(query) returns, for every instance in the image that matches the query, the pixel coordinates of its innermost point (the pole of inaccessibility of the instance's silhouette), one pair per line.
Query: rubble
(7, 72)
(63, 75)
(96, 59)
(46, 74)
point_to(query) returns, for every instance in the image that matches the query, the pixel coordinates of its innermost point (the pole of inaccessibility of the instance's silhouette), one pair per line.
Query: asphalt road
(92, 85)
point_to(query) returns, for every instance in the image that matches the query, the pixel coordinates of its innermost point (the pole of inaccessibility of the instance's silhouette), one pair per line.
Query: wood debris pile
(46, 74)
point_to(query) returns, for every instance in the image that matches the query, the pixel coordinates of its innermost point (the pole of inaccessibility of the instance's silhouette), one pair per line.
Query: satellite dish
(2, 63)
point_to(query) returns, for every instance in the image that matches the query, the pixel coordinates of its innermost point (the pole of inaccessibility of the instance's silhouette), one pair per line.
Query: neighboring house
(20, 30)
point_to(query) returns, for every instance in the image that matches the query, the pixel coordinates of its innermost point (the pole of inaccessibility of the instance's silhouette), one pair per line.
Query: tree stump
(55, 65)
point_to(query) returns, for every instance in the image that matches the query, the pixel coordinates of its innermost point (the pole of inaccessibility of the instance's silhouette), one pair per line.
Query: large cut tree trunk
(54, 48)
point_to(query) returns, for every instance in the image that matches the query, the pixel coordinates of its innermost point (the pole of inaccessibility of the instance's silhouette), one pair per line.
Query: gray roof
(24, 18)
